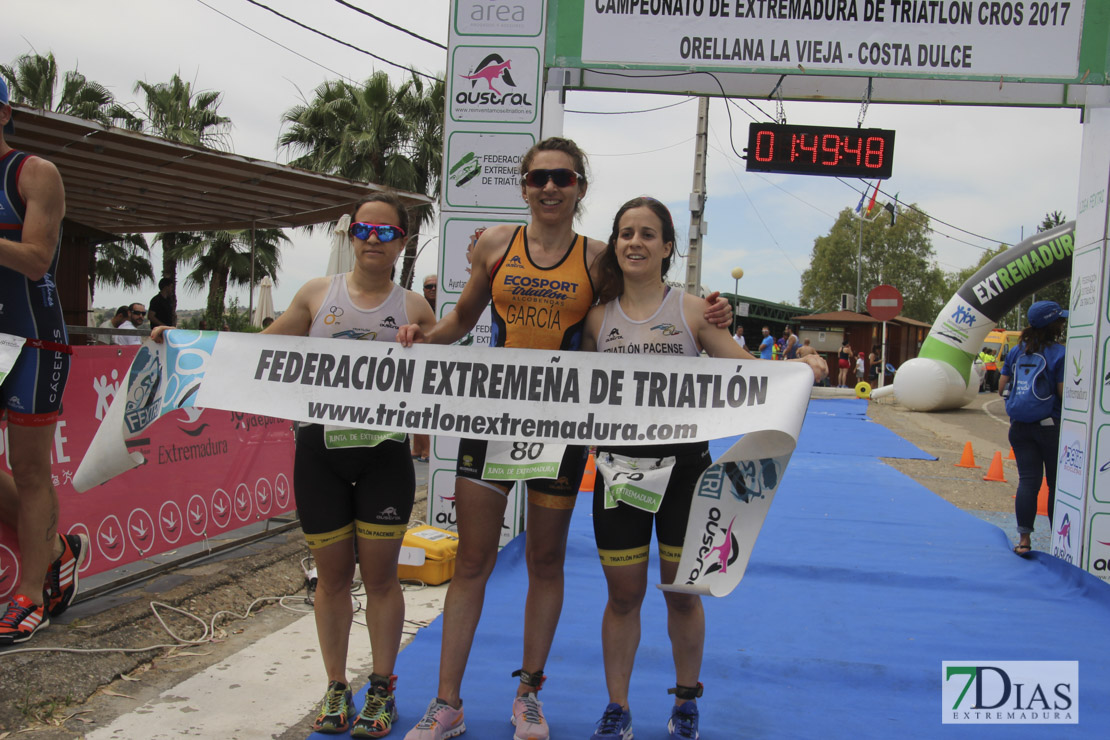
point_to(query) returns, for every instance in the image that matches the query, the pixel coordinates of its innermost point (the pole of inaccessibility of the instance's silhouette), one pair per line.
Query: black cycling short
(363, 490)
(552, 493)
(623, 533)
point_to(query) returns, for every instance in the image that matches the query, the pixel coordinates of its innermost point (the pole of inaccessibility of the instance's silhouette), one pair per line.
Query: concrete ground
(52, 694)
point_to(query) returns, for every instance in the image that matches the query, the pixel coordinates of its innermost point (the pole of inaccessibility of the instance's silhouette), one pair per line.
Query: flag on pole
(892, 209)
(862, 197)
(871, 204)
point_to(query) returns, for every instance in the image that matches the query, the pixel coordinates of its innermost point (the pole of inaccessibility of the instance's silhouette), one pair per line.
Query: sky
(993, 172)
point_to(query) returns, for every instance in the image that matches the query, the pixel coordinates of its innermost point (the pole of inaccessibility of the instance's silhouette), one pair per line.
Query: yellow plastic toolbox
(439, 548)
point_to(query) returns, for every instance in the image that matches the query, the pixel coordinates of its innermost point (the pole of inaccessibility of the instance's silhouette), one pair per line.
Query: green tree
(121, 263)
(223, 258)
(375, 133)
(900, 255)
(33, 80)
(177, 112)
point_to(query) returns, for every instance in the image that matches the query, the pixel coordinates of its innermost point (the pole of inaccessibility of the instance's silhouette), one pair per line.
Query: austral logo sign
(1010, 692)
(495, 85)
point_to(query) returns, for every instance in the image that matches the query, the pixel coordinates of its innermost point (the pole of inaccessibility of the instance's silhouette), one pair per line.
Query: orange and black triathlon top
(540, 307)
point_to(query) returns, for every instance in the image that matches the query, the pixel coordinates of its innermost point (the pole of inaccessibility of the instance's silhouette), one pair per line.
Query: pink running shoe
(440, 721)
(528, 718)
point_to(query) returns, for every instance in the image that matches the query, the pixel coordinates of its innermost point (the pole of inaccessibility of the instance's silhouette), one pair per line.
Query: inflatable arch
(943, 375)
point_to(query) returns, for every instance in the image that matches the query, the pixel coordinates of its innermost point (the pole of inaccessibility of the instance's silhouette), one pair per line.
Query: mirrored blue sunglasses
(385, 232)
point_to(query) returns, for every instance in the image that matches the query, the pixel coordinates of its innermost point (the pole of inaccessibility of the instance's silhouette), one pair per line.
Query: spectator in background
(136, 315)
(163, 306)
(122, 314)
(875, 359)
(739, 336)
(844, 362)
(861, 369)
(789, 344)
(767, 345)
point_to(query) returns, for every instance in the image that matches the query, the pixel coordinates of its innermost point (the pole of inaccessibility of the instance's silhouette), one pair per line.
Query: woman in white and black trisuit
(640, 313)
(357, 484)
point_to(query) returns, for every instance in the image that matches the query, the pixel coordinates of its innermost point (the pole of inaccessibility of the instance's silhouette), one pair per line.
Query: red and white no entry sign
(884, 302)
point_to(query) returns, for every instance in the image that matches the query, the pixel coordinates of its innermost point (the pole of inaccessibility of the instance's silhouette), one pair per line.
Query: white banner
(503, 394)
(901, 37)
(10, 347)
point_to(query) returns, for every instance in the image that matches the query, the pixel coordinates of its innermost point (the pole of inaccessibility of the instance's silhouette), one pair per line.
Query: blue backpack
(1032, 395)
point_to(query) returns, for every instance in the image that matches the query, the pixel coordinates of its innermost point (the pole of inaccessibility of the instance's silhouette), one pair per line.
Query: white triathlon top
(339, 317)
(664, 333)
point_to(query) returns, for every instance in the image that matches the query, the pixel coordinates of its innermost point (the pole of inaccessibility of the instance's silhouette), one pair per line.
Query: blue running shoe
(615, 723)
(683, 724)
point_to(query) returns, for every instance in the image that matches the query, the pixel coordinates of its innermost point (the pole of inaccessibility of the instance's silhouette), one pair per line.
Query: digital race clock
(820, 150)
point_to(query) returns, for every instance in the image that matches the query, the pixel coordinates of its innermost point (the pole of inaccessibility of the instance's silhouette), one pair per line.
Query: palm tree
(123, 263)
(176, 112)
(33, 81)
(374, 133)
(222, 258)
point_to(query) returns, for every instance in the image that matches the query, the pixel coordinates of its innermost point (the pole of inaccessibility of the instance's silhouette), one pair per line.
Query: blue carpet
(861, 583)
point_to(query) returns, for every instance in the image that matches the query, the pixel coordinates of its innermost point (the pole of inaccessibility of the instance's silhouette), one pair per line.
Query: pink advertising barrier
(206, 472)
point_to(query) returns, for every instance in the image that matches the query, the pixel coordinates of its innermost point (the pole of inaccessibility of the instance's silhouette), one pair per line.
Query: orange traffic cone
(1042, 498)
(968, 459)
(995, 471)
(589, 476)
(1011, 457)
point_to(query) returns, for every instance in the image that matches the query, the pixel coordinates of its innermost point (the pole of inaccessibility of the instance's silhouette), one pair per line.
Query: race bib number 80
(522, 460)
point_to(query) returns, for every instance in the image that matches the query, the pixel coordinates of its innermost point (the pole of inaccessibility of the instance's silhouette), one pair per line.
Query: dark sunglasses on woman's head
(385, 232)
(562, 178)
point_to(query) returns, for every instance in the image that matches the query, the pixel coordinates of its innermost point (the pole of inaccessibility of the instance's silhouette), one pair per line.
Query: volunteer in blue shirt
(767, 346)
(1035, 442)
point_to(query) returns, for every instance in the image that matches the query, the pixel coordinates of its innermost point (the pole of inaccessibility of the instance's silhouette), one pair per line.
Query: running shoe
(615, 723)
(61, 579)
(380, 711)
(528, 718)
(683, 724)
(22, 619)
(440, 721)
(335, 709)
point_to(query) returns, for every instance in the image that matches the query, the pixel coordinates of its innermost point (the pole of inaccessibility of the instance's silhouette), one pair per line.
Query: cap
(1043, 313)
(4, 100)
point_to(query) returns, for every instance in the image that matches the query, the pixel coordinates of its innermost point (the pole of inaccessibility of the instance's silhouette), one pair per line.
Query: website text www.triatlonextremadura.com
(434, 419)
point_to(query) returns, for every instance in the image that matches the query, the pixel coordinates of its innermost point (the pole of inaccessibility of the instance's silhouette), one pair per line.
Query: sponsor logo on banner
(1034, 692)
(955, 323)
(499, 17)
(495, 85)
(110, 538)
(9, 570)
(1072, 459)
(718, 548)
(445, 514)
(1061, 539)
(171, 522)
(242, 502)
(263, 496)
(140, 530)
(1077, 385)
(105, 391)
(221, 508)
(1098, 556)
(196, 515)
(144, 400)
(282, 491)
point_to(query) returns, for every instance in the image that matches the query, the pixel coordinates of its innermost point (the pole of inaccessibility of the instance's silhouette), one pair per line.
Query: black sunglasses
(429, 286)
(563, 178)
(139, 313)
(385, 232)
